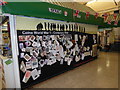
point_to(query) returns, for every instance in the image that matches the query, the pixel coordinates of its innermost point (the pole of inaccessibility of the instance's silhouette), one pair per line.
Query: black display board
(44, 54)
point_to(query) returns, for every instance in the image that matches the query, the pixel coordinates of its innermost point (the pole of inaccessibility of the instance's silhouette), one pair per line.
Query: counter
(6, 72)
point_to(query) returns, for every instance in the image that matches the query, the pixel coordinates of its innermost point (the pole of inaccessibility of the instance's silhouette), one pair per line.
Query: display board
(44, 54)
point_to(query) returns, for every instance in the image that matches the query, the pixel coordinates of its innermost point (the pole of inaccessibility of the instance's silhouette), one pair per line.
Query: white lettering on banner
(55, 11)
(60, 32)
(46, 32)
(41, 33)
(36, 32)
(24, 32)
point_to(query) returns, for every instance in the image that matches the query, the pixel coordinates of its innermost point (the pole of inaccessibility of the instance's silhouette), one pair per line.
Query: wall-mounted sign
(55, 11)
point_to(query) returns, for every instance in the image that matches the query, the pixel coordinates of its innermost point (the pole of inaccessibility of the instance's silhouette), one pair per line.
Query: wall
(117, 32)
(25, 23)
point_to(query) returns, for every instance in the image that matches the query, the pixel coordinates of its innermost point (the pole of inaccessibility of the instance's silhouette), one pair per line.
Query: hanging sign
(116, 23)
(105, 16)
(76, 14)
(115, 16)
(87, 15)
(109, 21)
(96, 15)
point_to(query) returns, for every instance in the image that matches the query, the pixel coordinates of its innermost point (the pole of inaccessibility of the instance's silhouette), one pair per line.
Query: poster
(94, 50)
(43, 54)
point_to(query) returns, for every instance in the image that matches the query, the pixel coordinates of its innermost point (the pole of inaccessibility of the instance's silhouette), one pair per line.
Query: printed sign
(55, 11)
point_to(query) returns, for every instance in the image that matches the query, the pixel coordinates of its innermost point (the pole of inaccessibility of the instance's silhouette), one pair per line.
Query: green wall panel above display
(51, 11)
(36, 9)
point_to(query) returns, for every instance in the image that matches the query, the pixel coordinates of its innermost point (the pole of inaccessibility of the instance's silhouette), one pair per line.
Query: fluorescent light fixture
(91, 1)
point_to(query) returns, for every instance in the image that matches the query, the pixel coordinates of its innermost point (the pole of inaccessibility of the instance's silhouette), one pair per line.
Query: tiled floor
(101, 73)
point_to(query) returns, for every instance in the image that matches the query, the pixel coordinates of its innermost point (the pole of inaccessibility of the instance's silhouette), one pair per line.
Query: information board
(44, 54)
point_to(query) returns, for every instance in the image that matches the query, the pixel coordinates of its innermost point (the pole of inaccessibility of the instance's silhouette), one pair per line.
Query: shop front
(47, 43)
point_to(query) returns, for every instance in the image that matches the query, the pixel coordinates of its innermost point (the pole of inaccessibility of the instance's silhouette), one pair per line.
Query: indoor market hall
(59, 44)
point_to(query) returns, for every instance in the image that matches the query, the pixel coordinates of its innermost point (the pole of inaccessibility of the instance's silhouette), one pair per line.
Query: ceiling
(102, 6)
